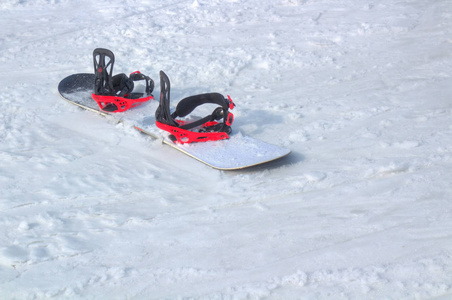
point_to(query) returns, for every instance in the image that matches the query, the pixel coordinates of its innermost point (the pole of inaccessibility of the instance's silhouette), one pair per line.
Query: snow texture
(360, 91)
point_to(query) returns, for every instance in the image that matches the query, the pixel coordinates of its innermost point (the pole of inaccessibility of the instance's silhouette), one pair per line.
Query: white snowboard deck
(237, 152)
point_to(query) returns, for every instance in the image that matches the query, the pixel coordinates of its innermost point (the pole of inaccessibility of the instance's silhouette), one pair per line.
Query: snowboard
(237, 152)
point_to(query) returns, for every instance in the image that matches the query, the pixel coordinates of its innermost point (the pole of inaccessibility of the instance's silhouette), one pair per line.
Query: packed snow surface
(360, 91)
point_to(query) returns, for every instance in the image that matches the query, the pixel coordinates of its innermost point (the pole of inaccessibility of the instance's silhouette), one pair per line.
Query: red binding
(123, 104)
(184, 136)
(201, 130)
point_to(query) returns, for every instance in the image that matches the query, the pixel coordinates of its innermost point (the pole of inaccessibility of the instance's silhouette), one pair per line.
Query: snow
(360, 91)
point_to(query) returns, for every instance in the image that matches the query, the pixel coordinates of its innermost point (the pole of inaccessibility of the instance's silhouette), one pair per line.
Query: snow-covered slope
(361, 91)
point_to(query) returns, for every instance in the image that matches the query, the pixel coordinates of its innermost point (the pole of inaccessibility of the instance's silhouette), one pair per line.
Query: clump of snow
(360, 92)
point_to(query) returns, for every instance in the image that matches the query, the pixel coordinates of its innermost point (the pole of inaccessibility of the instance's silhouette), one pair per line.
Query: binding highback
(163, 114)
(106, 84)
(104, 61)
